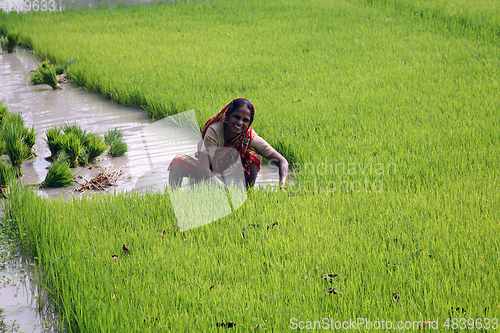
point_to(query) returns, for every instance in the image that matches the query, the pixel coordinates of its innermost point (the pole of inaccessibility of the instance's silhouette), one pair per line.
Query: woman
(230, 128)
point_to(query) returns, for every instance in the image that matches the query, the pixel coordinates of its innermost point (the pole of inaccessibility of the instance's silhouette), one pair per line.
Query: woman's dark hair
(237, 103)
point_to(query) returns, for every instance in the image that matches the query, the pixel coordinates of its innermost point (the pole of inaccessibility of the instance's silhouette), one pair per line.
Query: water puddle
(24, 307)
(42, 107)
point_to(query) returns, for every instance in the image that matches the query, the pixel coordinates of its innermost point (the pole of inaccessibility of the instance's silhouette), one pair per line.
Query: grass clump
(59, 175)
(9, 43)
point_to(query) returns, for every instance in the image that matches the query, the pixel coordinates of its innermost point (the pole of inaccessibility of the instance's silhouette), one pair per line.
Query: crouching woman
(230, 128)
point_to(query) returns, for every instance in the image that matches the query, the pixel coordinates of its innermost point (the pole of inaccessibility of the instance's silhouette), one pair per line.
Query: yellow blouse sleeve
(212, 140)
(261, 146)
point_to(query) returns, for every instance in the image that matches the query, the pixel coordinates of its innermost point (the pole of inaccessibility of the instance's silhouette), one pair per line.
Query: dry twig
(104, 179)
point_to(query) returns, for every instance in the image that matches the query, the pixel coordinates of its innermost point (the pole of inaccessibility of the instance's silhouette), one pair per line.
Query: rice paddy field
(388, 112)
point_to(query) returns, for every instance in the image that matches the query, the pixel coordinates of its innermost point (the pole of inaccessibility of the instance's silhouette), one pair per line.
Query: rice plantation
(388, 113)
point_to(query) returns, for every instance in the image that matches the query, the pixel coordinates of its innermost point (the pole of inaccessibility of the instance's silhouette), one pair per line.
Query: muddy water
(42, 107)
(23, 306)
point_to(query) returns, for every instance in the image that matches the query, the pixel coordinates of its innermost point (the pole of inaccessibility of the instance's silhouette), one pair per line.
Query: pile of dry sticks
(104, 178)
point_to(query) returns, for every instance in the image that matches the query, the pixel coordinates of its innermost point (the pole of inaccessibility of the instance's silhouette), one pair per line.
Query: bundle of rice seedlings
(72, 148)
(94, 146)
(62, 156)
(59, 69)
(6, 176)
(12, 133)
(75, 129)
(59, 175)
(117, 148)
(54, 141)
(28, 138)
(4, 111)
(46, 75)
(112, 135)
(84, 156)
(9, 43)
(14, 147)
(36, 75)
(114, 139)
(15, 119)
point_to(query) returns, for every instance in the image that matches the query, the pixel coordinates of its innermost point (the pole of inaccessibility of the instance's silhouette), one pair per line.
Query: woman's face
(239, 120)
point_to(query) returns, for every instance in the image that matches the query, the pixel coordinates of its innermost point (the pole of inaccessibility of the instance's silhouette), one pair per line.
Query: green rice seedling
(62, 156)
(46, 75)
(112, 135)
(15, 148)
(6, 176)
(75, 129)
(36, 76)
(94, 146)
(16, 120)
(59, 68)
(13, 133)
(54, 139)
(73, 149)
(59, 175)
(4, 111)
(9, 43)
(84, 156)
(29, 139)
(118, 148)
(114, 139)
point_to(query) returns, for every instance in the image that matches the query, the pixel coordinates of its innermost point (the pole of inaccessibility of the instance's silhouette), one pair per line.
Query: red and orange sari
(223, 159)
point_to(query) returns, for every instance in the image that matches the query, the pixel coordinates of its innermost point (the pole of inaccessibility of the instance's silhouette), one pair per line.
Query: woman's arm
(282, 164)
(205, 172)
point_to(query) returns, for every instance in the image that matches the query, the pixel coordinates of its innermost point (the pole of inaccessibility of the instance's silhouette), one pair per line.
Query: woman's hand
(282, 164)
